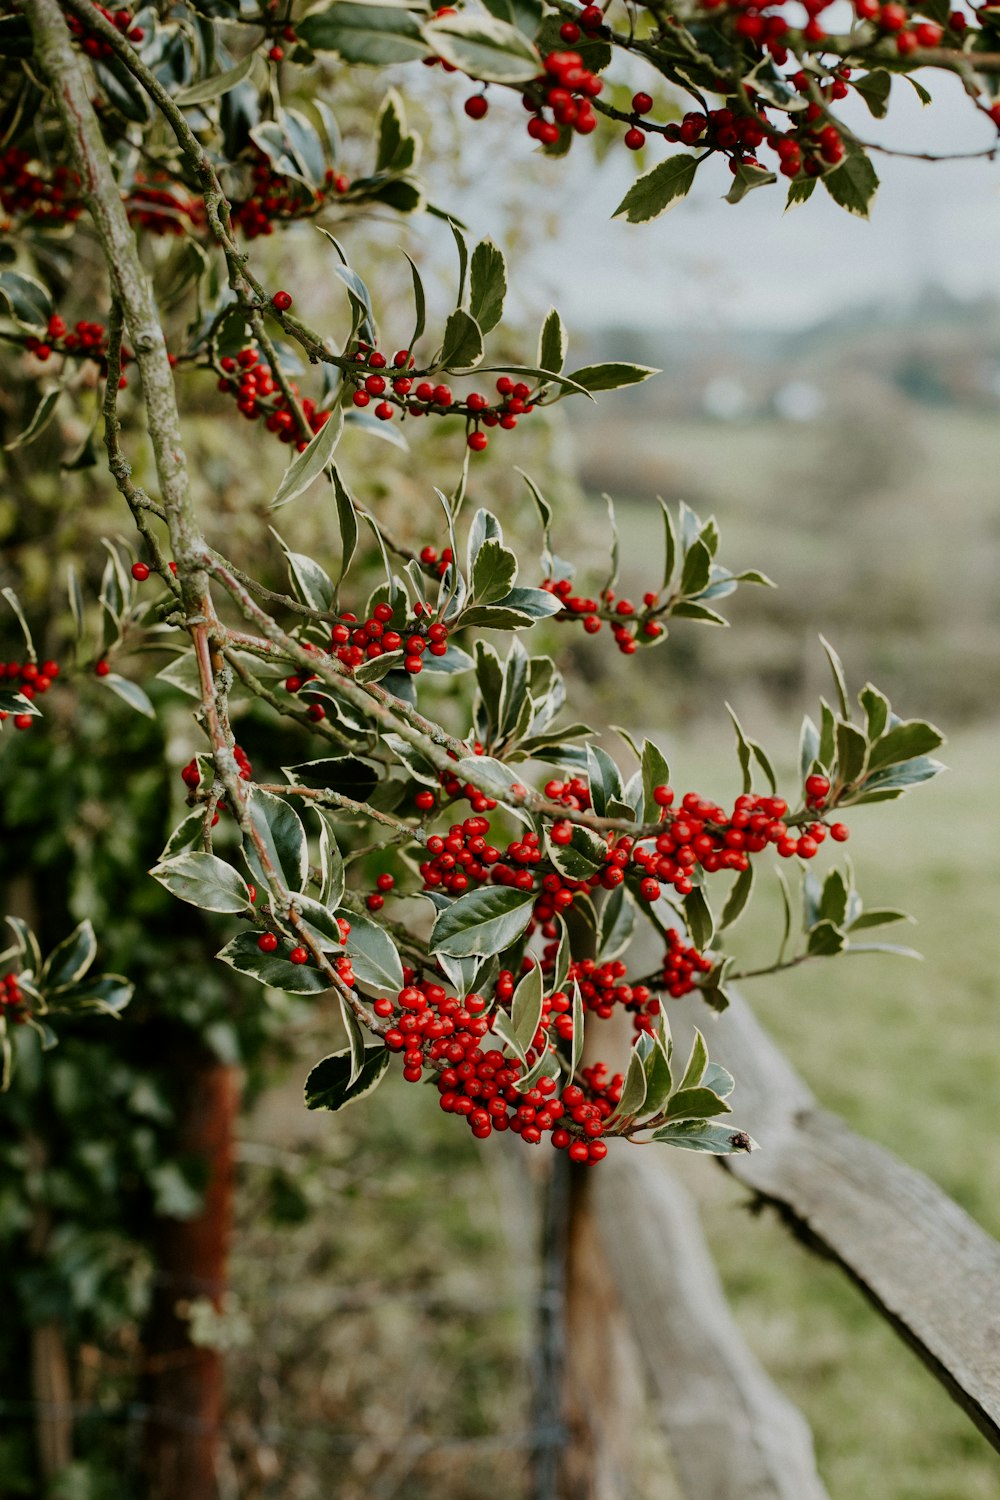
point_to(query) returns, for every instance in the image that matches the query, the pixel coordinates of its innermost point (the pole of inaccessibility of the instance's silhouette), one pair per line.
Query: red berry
(425, 800)
(635, 139)
(267, 942)
(101, 669)
(140, 572)
(840, 832)
(477, 106)
(299, 956)
(477, 441)
(570, 32)
(282, 301)
(642, 103)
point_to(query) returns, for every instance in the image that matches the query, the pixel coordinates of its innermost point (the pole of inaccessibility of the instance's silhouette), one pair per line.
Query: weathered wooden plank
(732, 1434)
(928, 1267)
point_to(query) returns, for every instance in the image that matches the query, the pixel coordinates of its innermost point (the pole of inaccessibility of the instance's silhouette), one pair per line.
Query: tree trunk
(183, 1385)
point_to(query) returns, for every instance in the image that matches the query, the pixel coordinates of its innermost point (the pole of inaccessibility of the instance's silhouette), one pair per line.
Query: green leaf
(334, 1082)
(70, 959)
(17, 703)
(204, 880)
(879, 916)
(719, 1080)
(840, 682)
(874, 89)
(484, 47)
(493, 572)
(108, 994)
(699, 919)
(854, 183)
(825, 939)
(216, 85)
(655, 772)
(395, 148)
(272, 969)
(616, 924)
(696, 569)
(373, 955)
(746, 179)
(696, 1064)
(695, 1104)
(331, 864)
(633, 1099)
(130, 693)
(308, 465)
(605, 780)
(737, 898)
(526, 1006)
(376, 34)
(696, 1135)
(576, 1050)
(282, 838)
(40, 419)
(658, 190)
(487, 285)
(463, 342)
(833, 902)
(27, 300)
(552, 344)
(612, 376)
(483, 922)
(852, 747)
(907, 740)
(311, 583)
(345, 774)
(876, 707)
(318, 921)
(659, 1080)
(670, 544)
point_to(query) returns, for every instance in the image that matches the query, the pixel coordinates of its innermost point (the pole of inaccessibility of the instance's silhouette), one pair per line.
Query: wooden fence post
(183, 1383)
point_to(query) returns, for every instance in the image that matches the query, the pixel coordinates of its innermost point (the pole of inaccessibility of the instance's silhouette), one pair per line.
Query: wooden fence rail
(927, 1267)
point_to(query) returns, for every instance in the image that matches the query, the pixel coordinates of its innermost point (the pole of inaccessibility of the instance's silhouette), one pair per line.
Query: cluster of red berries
(39, 194)
(392, 388)
(429, 1026)
(95, 46)
(84, 341)
(354, 641)
(13, 1006)
(588, 23)
(277, 199)
(604, 986)
(896, 20)
(384, 883)
(700, 832)
(191, 775)
(29, 679)
(258, 394)
(165, 210)
(437, 563)
(566, 89)
(681, 963)
(629, 626)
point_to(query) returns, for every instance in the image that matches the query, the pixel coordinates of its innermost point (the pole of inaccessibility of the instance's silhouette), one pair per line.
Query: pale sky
(708, 262)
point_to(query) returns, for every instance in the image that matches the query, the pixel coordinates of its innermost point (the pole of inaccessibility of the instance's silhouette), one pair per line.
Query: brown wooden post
(183, 1385)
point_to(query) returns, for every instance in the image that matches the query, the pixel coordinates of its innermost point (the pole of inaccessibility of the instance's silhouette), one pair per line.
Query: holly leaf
(335, 1081)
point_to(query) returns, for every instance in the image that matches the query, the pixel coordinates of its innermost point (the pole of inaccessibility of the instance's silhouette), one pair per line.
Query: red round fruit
(282, 301)
(478, 441)
(267, 942)
(140, 571)
(477, 106)
(299, 956)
